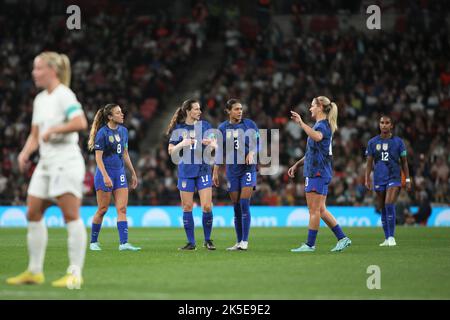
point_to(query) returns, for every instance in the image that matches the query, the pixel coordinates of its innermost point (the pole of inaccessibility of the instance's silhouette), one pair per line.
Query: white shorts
(51, 181)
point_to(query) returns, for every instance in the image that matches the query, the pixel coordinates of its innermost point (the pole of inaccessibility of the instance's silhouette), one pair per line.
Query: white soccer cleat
(234, 248)
(243, 245)
(391, 241)
(385, 243)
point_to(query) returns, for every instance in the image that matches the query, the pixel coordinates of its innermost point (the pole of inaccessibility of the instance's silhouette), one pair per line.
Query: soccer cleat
(385, 243)
(209, 245)
(26, 277)
(342, 244)
(188, 246)
(69, 281)
(95, 246)
(128, 247)
(391, 242)
(304, 248)
(234, 248)
(243, 245)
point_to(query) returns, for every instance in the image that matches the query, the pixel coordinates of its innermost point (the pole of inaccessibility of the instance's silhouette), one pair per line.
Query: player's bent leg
(37, 238)
(77, 239)
(121, 202)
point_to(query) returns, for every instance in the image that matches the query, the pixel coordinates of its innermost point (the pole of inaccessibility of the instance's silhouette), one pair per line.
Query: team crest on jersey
(184, 184)
(184, 134)
(117, 137)
(378, 147)
(192, 134)
(235, 133)
(385, 146)
(228, 134)
(111, 139)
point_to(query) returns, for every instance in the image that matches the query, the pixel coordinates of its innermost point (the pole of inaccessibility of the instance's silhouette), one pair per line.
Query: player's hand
(216, 180)
(210, 142)
(23, 161)
(46, 135)
(408, 186)
(368, 184)
(250, 158)
(296, 117)
(108, 182)
(134, 181)
(187, 142)
(292, 170)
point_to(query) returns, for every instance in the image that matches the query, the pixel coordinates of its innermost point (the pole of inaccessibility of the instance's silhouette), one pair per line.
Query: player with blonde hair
(58, 177)
(318, 171)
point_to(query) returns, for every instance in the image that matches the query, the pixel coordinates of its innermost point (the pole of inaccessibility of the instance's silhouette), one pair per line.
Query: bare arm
(175, 148)
(405, 169)
(294, 168)
(31, 145)
(313, 134)
(369, 166)
(101, 166)
(130, 167)
(77, 123)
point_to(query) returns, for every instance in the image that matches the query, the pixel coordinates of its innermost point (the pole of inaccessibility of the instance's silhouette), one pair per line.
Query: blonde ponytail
(60, 63)
(332, 117)
(64, 71)
(331, 111)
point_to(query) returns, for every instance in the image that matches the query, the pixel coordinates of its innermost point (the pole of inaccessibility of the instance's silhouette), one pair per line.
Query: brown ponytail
(100, 119)
(180, 114)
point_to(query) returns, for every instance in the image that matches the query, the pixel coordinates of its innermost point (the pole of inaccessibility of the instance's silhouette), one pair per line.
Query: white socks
(77, 241)
(37, 243)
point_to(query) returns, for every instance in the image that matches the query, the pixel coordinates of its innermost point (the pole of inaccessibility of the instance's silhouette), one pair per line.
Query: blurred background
(275, 56)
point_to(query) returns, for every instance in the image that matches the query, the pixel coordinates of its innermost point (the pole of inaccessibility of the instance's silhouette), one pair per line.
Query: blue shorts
(236, 183)
(384, 187)
(317, 184)
(118, 178)
(189, 184)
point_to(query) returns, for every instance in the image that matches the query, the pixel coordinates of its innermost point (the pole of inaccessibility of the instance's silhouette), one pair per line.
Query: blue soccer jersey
(386, 154)
(194, 165)
(112, 142)
(242, 138)
(319, 155)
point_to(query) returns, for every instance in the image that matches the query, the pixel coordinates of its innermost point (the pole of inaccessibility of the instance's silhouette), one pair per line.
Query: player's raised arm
(313, 134)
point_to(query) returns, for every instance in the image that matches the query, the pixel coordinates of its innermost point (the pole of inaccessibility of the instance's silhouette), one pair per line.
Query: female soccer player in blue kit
(318, 171)
(186, 132)
(242, 138)
(387, 151)
(109, 138)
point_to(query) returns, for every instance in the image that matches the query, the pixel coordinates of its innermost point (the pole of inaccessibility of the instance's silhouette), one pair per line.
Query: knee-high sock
(238, 221)
(390, 218)
(207, 222)
(77, 240)
(37, 243)
(95, 231)
(246, 218)
(122, 228)
(384, 223)
(312, 235)
(188, 222)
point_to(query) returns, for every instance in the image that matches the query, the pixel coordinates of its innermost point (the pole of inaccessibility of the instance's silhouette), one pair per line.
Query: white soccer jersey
(52, 109)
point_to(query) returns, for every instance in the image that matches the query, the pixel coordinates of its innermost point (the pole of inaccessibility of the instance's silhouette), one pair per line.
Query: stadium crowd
(404, 74)
(120, 57)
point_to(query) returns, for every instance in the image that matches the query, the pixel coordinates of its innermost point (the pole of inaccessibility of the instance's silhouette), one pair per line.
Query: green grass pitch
(418, 268)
